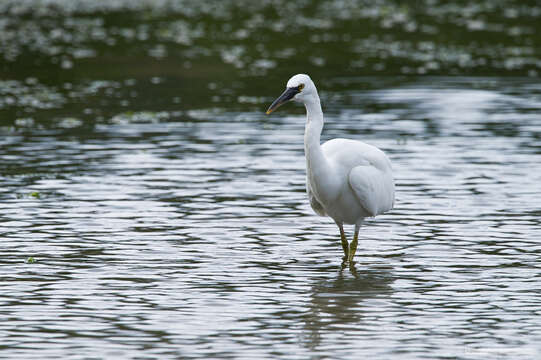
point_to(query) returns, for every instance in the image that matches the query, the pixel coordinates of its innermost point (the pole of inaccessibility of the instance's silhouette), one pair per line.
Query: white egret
(347, 180)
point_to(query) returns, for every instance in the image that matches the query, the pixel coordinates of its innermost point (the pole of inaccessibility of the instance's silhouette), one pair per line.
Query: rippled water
(190, 235)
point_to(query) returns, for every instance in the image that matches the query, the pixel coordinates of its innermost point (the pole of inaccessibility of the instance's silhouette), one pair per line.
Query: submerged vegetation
(98, 58)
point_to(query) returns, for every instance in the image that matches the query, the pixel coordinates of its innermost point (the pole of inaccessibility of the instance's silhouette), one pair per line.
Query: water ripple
(194, 239)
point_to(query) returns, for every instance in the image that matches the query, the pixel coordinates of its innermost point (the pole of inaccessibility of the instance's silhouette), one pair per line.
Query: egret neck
(318, 168)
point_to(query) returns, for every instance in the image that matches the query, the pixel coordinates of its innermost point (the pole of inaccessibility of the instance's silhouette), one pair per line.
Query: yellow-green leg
(345, 245)
(353, 245)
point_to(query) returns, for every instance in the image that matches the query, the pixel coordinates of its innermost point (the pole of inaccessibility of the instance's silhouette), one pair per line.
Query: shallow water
(188, 234)
(151, 210)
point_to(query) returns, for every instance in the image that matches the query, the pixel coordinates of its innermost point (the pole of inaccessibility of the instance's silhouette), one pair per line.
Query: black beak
(282, 99)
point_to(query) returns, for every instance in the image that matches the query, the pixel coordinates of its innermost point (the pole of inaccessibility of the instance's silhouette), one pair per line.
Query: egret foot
(353, 270)
(346, 248)
(345, 245)
(353, 245)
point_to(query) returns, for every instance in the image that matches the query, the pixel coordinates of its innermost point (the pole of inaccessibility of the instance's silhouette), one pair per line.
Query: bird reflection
(336, 304)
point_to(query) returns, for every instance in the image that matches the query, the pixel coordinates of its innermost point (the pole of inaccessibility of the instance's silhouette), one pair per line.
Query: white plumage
(347, 180)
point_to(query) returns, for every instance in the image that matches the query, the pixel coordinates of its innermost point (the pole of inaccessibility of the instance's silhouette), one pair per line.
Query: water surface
(150, 209)
(190, 236)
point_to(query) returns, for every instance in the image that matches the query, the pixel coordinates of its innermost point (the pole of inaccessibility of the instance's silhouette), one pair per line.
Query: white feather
(347, 180)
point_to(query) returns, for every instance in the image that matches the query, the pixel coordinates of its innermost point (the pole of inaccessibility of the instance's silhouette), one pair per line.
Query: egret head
(298, 88)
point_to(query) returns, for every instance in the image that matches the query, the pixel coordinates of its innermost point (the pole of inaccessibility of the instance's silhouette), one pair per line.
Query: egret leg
(353, 245)
(345, 245)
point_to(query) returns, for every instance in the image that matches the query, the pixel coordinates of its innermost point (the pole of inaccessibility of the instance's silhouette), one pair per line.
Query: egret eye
(301, 86)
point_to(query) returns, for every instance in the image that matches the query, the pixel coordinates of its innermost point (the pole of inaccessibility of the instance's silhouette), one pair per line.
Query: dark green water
(167, 216)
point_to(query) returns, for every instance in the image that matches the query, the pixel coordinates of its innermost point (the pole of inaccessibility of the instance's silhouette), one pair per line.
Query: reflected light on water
(192, 237)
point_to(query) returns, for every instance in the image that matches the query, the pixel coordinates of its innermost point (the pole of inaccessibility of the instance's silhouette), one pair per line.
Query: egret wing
(373, 188)
(318, 208)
